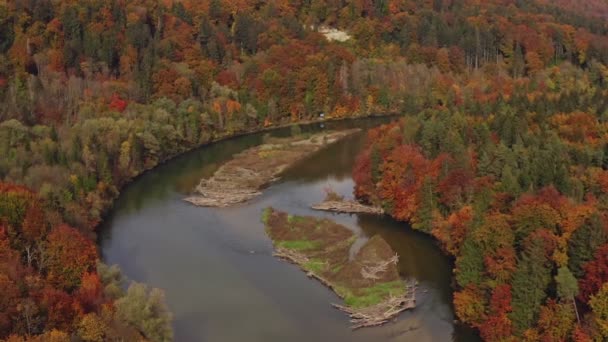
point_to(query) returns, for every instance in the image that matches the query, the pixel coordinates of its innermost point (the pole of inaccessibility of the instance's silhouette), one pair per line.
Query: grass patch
(295, 219)
(373, 295)
(298, 245)
(342, 244)
(267, 154)
(315, 265)
(266, 215)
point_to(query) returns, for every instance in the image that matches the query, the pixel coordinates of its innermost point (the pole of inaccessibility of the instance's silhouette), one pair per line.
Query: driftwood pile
(373, 271)
(221, 191)
(382, 312)
(242, 178)
(370, 316)
(347, 206)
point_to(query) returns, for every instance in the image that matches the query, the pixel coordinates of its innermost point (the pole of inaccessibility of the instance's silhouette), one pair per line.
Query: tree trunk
(578, 318)
(28, 250)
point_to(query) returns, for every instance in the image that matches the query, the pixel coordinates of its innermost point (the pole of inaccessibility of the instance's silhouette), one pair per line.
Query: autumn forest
(500, 151)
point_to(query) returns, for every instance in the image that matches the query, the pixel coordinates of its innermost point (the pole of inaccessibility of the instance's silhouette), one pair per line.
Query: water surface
(216, 265)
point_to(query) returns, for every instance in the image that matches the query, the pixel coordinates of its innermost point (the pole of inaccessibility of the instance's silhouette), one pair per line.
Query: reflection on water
(216, 265)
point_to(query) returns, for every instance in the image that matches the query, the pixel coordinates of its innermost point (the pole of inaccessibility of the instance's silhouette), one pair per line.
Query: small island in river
(369, 282)
(242, 178)
(337, 203)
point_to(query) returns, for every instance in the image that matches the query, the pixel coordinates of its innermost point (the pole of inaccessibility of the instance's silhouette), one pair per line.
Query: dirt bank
(242, 178)
(370, 284)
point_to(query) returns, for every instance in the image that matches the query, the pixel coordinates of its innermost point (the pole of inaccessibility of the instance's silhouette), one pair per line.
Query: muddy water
(216, 267)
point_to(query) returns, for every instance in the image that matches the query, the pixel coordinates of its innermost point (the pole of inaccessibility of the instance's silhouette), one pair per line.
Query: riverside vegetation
(519, 208)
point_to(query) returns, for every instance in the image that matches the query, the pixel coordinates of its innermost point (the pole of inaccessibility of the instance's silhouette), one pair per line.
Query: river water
(216, 265)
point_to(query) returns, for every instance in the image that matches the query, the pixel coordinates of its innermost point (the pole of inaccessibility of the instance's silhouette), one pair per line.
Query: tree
(567, 287)
(596, 274)
(403, 171)
(517, 62)
(599, 304)
(124, 160)
(215, 9)
(584, 243)
(7, 35)
(530, 217)
(117, 103)
(443, 60)
(246, 30)
(29, 316)
(533, 62)
(146, 310)
(59, 308)
(70, 255)
(469, 305)
(555, 321)
(33, 230)
(90, 295)
(498, 326)
(112, 280)
(362, 176)
(469, 264)
(501, 264)
(424, 218)
(91, 328)
(8, 304)
(530, 281)
(508, 181)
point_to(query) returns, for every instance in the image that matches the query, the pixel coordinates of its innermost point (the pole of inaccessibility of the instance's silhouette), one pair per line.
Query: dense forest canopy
(507, 125)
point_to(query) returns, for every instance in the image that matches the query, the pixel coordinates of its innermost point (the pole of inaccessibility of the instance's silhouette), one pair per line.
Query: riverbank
(213, 139)
(369, 283)
(242, 177)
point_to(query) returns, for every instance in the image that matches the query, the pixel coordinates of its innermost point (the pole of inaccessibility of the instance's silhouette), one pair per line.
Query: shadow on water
(216, 265)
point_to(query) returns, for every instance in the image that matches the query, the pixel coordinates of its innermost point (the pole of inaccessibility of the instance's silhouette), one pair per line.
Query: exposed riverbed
(216, 265)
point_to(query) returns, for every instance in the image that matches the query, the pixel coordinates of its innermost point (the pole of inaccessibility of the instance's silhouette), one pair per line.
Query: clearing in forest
(242, 178)
(370, 284)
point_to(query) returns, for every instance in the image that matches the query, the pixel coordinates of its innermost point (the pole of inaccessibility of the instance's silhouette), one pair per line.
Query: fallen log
(371, 271)
(347, 206)
(209, 197)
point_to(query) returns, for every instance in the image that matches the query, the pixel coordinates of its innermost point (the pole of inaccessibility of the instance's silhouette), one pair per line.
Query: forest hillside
(502, 156)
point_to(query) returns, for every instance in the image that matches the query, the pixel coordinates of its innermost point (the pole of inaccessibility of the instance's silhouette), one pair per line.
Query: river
(216, 265)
